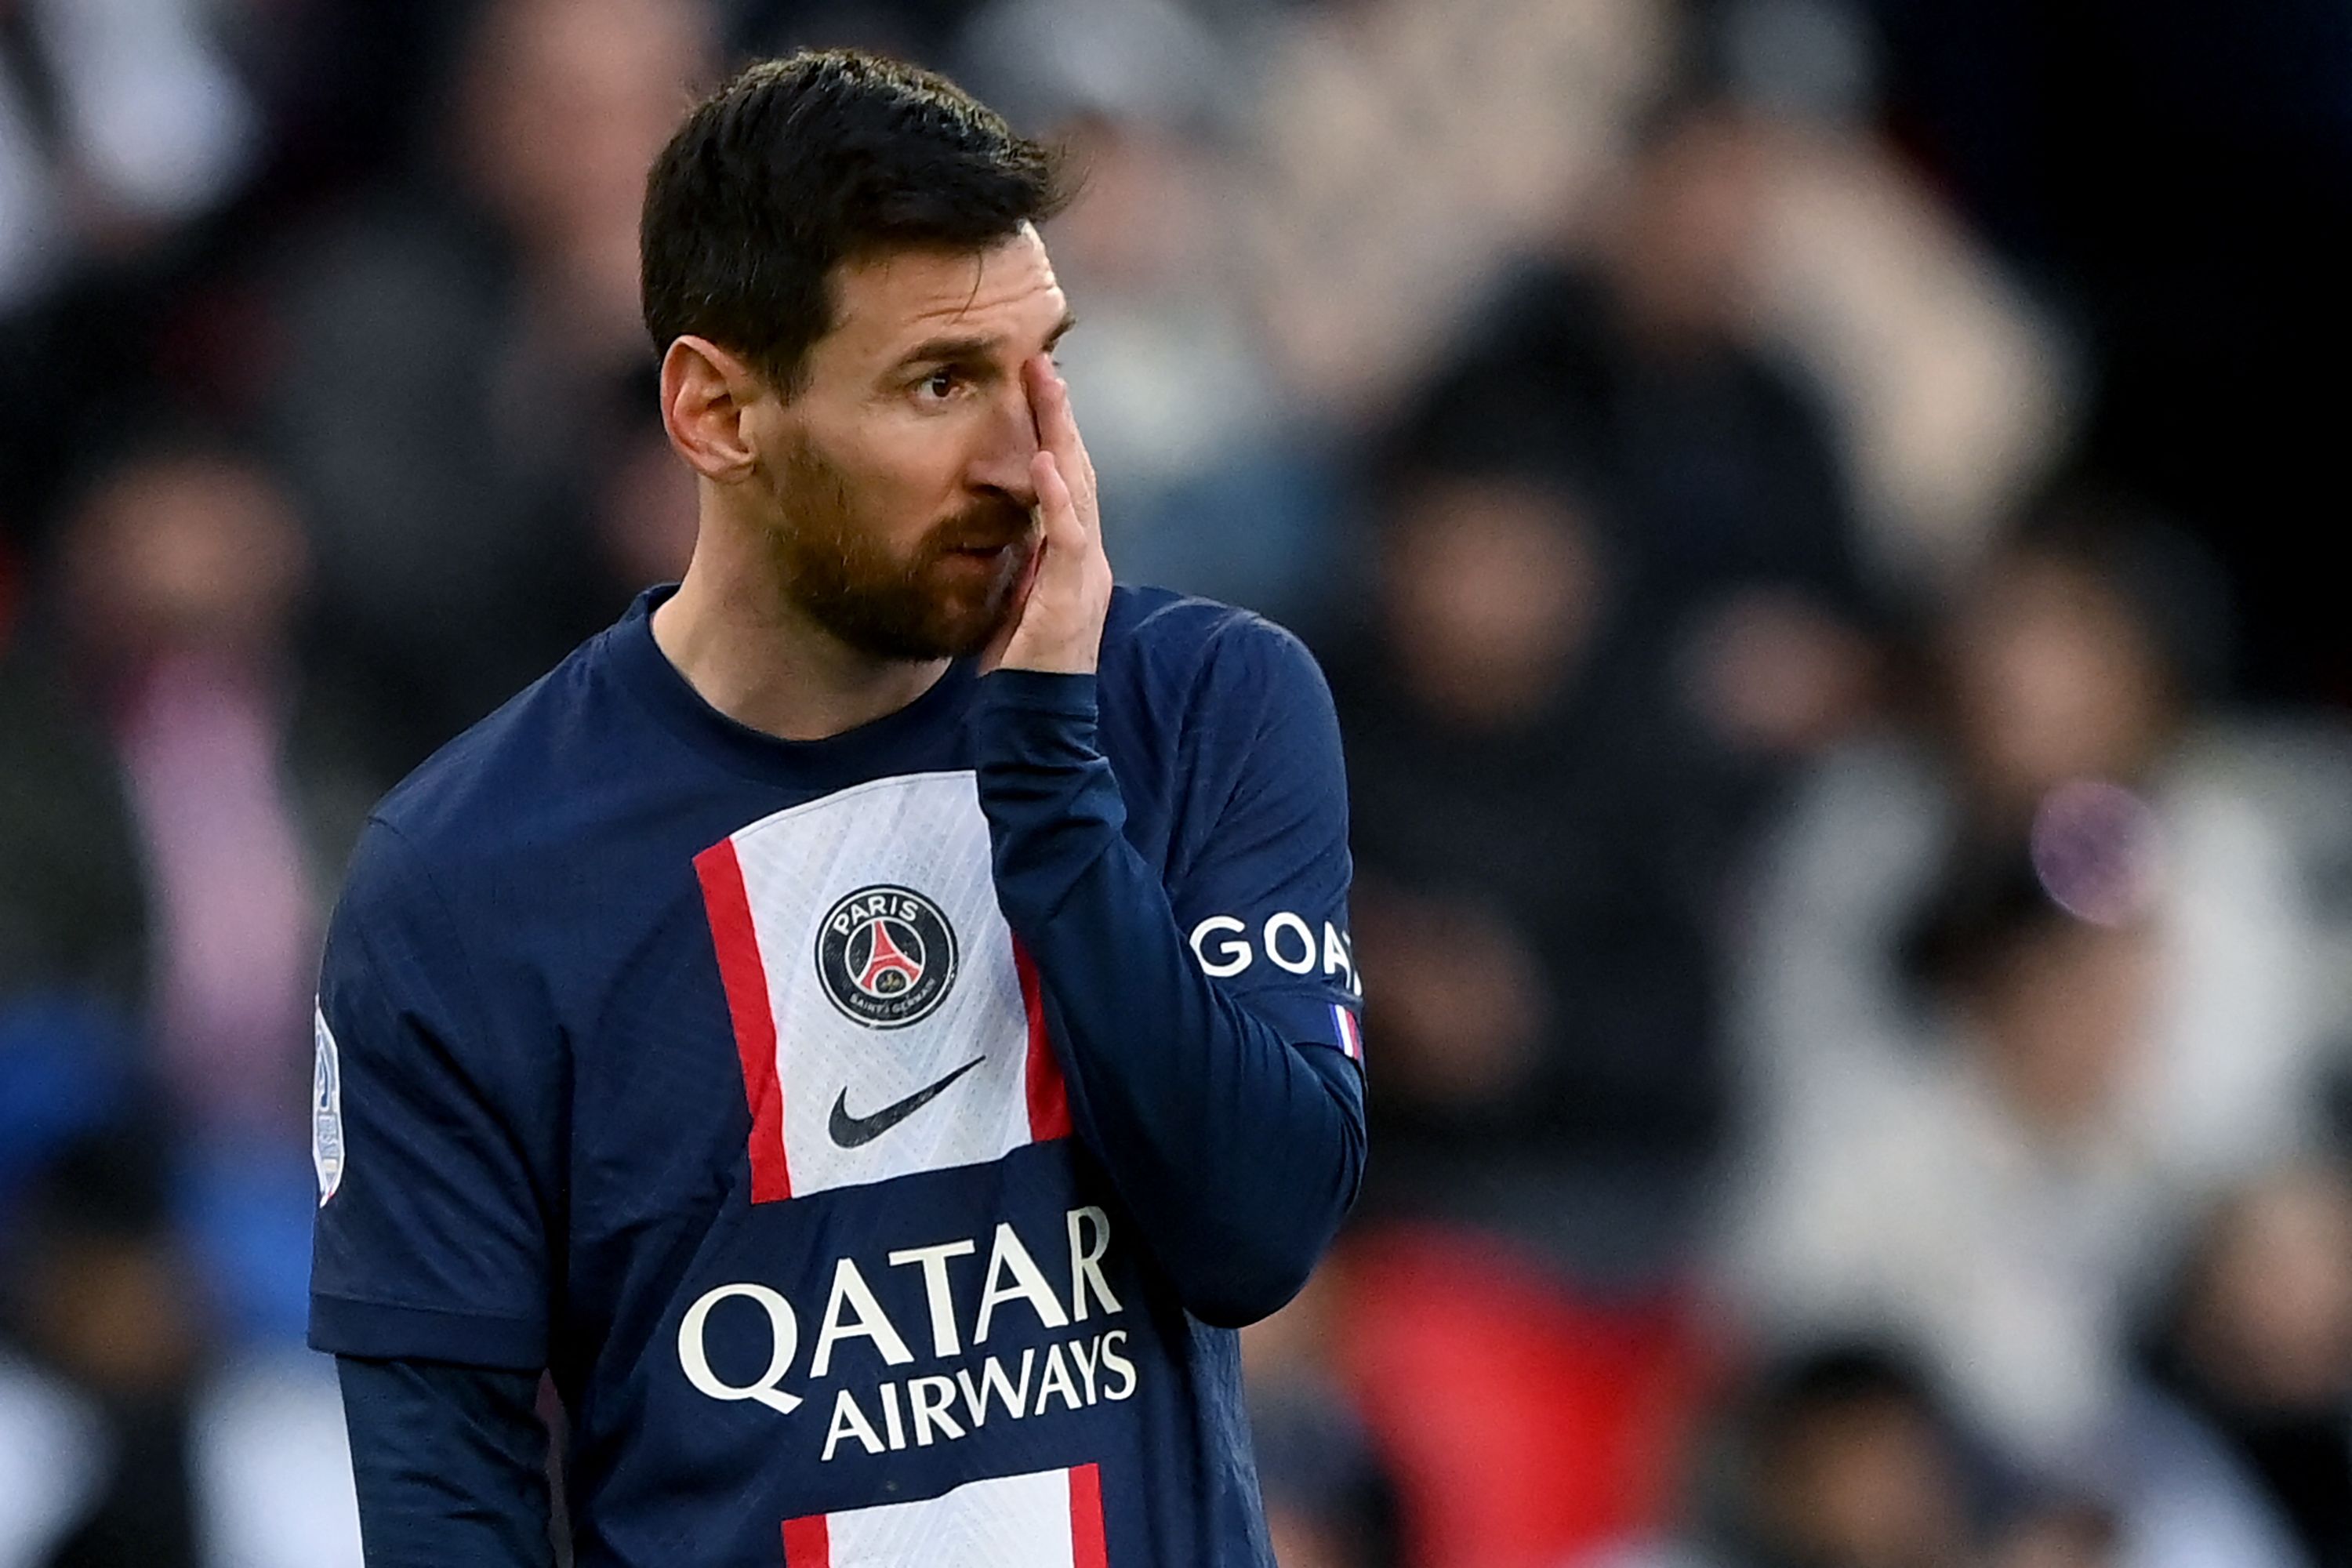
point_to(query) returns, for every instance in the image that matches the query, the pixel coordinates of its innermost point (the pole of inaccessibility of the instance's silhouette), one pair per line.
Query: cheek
(903, 475)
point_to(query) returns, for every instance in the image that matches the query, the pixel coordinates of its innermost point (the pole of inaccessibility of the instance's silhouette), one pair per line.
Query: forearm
(450, 1463)
(1237, 1150)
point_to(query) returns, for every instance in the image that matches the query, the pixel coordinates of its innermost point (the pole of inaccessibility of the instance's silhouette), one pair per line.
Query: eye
(938, 385)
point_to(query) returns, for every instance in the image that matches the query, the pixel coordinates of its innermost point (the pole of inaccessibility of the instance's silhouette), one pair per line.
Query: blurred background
(1813, 512)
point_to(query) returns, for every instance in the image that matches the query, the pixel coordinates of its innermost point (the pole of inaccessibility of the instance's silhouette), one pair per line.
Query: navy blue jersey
(876, 1138)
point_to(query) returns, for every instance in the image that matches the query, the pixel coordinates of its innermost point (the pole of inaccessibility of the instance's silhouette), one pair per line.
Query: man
(872, 1023)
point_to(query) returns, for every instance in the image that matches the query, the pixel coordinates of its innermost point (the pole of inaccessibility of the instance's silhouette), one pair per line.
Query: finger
(1074, 540)
(1057, 432)
(1015, 602)
(1041, 381)
(1037, 375)
(1056, 507)
(1049, 405)
(1078, 464)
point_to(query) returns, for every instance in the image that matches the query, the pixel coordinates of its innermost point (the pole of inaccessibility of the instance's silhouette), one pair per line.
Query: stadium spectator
(2258, 1351)
(106, 1304)
(1843, 1456)
(1403, 152)
(2000, 1199)
(1537, 859)
(1954, 391)
(134, 1438)
(1733, 537)
(1330, 1500)
(1849, 1455)
(461, 346)
(185, 788)
(2118, 909)
(1986, 1200)
(118, 119)
(125, 132)
(1538, 852)
(189, 758)
(2066, 728)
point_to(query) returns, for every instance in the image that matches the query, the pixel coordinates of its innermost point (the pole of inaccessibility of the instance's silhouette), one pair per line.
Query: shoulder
(462, 869)
(1163, 646)
(510, 783)
(1207, 709)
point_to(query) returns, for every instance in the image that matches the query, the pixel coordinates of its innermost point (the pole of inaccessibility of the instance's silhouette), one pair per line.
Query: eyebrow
(974, 347)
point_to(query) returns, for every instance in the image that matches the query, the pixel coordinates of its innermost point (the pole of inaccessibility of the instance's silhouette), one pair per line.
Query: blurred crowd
(1804, 506)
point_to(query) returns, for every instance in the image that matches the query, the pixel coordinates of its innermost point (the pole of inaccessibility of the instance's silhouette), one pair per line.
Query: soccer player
(872, 1023)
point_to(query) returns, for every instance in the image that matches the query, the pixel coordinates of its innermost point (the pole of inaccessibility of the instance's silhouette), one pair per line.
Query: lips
(986, 548)
(984, 529)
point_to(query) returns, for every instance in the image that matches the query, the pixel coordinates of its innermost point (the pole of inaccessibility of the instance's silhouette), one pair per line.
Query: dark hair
(1989, 904)
(797, 165)
(2161, 576)
(1839, 1375)
(1788, 1396)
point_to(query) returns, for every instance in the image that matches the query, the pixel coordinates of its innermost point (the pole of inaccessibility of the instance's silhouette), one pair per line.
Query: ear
(705, 393)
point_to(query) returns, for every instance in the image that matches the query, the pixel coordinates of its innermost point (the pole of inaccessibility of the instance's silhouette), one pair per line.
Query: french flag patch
(1350, 1034)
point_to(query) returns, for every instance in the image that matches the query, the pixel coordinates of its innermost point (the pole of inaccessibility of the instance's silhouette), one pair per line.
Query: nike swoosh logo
(851, 1132)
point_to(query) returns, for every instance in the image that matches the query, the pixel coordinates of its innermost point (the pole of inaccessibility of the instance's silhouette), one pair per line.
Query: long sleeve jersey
(877, 1139)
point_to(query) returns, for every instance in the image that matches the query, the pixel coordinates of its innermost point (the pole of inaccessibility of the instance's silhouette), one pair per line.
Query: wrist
(1067, 661)
(1070, 694)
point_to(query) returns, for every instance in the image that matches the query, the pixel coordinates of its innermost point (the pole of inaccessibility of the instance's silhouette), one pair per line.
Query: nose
(1007, 442)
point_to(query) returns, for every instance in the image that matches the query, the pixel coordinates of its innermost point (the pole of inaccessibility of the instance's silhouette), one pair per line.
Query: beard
(931, 601)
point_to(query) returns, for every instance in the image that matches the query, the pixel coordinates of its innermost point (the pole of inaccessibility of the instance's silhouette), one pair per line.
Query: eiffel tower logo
(889, 971)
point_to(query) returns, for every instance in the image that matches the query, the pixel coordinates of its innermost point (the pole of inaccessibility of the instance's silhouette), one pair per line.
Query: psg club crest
(887, 957)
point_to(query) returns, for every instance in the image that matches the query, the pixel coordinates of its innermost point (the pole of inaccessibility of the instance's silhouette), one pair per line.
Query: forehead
(890, 305)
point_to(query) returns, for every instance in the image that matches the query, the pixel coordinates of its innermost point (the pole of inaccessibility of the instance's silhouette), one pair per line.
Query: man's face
(899, 475)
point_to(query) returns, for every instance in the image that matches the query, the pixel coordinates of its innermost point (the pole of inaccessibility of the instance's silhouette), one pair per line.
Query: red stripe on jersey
(745, 980)
(1087, 1549)
(807, 1543)
(1049, 1098)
